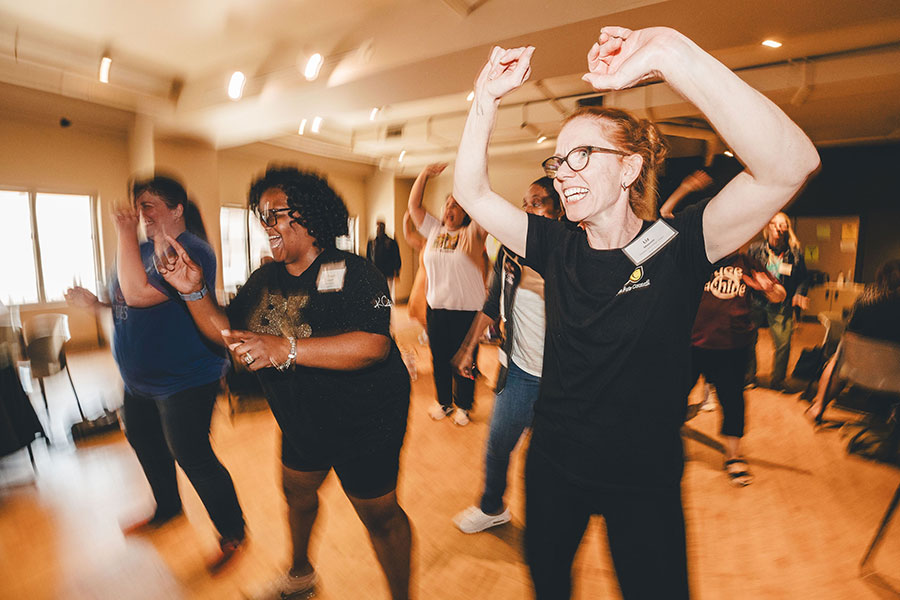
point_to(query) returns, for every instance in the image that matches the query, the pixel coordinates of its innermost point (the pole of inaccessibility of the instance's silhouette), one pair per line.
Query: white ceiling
(838, 73)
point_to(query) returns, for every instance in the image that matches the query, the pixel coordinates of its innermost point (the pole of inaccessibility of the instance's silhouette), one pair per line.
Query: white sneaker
(438, 411)
(287, 587)
(461, 417)
(473, 520)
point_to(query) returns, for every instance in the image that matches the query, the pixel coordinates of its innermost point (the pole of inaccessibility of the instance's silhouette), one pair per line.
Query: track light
(236, 85)
(316, 124)
(402, 154)
(313, 65)
(771, 44)
(105, 64)
(542, 139)
(302, 127)
(471, 96)
(374, 114)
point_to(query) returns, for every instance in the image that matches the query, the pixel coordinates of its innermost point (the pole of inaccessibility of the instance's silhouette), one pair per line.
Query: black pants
(645, 529)
(725, 369)
(446, 331)
(163, 430)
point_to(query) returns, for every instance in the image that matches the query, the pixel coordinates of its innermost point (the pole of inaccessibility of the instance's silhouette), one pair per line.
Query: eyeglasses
(269, 217)
(577, 159)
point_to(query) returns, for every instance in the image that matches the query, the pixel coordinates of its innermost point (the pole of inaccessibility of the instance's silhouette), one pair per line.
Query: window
(49, 243)
(244, 244)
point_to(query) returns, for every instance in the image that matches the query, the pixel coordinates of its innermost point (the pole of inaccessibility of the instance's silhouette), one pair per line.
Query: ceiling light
(729, 153)
(470, 97)
(542, 139)
(313, 65)
(771, 43)
(373, 114)
(302, 127)
(402, 154)
(316, 124)
(105, 63)
(236, 85)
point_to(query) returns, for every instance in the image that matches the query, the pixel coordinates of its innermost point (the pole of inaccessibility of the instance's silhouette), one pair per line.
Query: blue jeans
(513, 412)
(169, 429)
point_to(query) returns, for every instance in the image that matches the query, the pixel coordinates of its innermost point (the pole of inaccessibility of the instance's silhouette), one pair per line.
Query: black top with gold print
(338, 414)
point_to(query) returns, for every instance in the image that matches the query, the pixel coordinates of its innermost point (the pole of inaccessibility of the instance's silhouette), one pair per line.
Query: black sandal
(738, 478)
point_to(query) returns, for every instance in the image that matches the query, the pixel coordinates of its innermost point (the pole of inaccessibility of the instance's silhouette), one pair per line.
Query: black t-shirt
(329, 414)
(617, 353)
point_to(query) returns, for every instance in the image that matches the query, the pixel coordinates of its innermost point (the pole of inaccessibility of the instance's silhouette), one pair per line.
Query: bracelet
(291, 356)
(195, 295)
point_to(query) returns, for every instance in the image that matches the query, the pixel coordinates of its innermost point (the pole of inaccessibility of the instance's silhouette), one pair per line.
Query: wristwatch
(194, 295)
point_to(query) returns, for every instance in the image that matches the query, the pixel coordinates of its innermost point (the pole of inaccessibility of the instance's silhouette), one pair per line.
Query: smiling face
(158, 218)
(597, 187)
(290, 242)
(537, 202)
(454, 215)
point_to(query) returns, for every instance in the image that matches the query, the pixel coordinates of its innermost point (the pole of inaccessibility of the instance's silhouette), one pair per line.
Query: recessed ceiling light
(312, 66)
(470, 97)
(236, 85)
(729, 153)
(542, 139)
(316, 124)
(302, 127)
(373, 114)
(771, 43)
(402, 154)
(105, 64)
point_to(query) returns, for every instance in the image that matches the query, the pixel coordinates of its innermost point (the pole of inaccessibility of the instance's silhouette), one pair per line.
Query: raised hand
(759, 281)
(504, 72)
(178, 269)
(79, 297)
(256, 350)
(125, 218)
(435, 169)
(621, 57)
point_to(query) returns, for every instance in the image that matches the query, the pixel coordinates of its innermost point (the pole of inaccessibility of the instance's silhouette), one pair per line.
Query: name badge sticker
(785, 269)
(331, 277)
(650, 242)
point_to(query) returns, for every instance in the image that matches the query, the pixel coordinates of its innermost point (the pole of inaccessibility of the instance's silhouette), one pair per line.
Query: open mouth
(574, 194)
(275, 241)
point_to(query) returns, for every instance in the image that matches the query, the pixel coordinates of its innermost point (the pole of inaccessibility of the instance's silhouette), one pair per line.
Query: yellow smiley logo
(636, 275)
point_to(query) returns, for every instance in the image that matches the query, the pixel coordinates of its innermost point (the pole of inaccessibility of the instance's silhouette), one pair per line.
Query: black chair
(45, 346)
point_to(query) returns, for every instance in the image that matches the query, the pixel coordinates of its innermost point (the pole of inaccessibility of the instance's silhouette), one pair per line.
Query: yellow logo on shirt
(636, 275)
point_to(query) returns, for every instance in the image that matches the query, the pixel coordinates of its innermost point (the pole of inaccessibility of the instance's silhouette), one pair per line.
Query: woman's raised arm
(778, 156)
(504, 72)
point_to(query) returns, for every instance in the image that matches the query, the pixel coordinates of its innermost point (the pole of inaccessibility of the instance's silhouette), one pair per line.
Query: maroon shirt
(723, 320)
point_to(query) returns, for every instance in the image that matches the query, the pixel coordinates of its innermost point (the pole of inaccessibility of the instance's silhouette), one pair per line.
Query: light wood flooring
(797, 532)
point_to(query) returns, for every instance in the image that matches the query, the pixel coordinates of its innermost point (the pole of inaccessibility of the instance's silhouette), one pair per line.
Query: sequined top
(334, 414)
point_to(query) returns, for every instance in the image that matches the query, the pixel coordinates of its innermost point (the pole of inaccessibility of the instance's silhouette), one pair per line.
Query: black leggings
(645, 529)
(725, 369)
(163, 430)
(446, 331)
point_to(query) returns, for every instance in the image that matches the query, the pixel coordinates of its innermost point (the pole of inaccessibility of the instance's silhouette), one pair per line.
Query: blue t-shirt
(159, 349)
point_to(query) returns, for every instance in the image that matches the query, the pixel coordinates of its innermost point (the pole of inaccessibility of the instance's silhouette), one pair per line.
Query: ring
(248, 359)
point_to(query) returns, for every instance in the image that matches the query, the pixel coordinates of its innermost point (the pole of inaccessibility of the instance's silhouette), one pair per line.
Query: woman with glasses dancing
(314, 325)
(621, 293)
(171, 373)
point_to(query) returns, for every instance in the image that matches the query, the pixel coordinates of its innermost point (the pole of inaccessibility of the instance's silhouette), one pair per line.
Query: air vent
(394, 131)
(590, 101)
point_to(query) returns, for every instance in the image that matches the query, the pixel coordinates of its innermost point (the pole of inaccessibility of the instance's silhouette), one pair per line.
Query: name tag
(331, 277)
(785, 269)
(650, 242)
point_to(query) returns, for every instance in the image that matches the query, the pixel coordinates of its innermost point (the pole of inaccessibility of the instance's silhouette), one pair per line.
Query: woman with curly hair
(314, 325)
(621, 292)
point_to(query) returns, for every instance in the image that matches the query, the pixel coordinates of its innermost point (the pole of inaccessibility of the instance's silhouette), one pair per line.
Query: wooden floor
(797, 532)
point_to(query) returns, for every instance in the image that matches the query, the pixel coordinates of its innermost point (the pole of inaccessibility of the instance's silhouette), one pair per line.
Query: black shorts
(369, 475)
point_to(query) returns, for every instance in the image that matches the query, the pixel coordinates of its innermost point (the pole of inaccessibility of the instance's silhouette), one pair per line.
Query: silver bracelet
(292, 355)
(195, 295)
